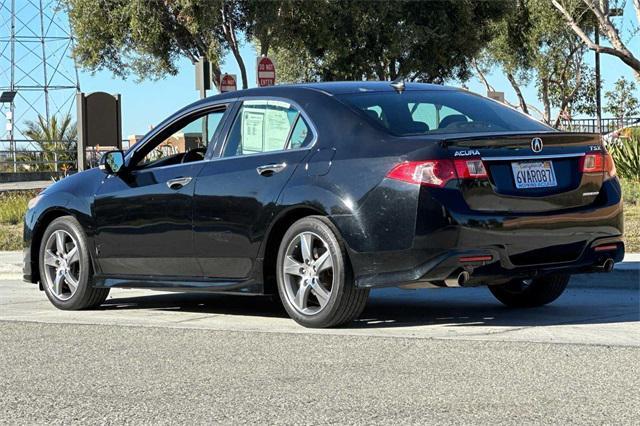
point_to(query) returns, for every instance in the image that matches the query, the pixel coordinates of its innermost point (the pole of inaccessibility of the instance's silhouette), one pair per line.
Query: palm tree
(57, 141)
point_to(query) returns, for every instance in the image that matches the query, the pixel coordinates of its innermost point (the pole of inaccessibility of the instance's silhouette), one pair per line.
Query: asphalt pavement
(447, 356)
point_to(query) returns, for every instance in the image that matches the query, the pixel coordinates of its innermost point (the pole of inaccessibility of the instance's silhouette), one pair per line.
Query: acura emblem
(536, 144)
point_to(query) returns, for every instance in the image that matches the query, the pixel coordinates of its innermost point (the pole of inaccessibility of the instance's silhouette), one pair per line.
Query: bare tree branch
(516, 88)
(481, 75)
(610, 32)
(229, 32)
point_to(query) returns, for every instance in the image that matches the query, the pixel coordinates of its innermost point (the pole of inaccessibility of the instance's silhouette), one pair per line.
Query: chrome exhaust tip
(459, 280)
(607, 266)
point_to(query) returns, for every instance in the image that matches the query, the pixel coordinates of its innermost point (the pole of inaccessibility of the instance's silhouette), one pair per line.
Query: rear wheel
(65, 267)
(531, 292)
(314, 276)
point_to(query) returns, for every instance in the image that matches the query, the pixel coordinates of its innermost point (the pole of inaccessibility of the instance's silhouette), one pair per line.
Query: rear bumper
(518, 245)
(492, 265)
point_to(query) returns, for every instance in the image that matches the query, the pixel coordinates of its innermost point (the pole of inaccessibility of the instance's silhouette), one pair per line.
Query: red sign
(266, 72)
(228, 83)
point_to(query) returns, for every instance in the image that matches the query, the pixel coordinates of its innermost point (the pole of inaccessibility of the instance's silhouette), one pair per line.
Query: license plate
(534, 174)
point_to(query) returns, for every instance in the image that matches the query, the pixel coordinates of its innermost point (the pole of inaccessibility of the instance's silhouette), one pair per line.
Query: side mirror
(112, 162)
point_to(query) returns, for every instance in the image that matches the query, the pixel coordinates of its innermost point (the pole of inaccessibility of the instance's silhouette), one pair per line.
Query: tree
(360, 39)
(531, 44)
(621, 102)
(147, 37)
(331, 40)
(601, 11)
(56, 138)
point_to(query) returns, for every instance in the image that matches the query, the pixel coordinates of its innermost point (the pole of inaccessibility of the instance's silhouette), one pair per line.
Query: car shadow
(205, 303)
(590, 303)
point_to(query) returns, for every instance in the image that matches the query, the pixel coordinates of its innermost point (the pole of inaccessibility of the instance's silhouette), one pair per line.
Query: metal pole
(598, 83)
(12, 142)
(82, 128)
(44, 66)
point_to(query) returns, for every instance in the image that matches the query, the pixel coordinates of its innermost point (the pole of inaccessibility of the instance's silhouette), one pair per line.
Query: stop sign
(266, 72)
(228, 83)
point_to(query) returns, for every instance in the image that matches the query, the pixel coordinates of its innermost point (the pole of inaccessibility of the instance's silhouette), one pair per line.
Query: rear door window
(266, 126)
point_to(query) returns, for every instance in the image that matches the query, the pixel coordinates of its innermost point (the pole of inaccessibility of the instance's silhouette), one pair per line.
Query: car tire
(65, 267)
(315, 280)
(531, 293)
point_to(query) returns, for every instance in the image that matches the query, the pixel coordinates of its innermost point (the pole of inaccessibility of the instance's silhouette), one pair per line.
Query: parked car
(320, 192)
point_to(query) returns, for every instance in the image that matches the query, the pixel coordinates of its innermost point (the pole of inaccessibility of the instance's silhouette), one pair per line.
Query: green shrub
(13, 206)
(10, 237)
(626, 156)
(630, 191)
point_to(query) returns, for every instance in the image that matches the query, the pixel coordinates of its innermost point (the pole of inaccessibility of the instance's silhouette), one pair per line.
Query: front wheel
(315, 282)
(531, 292)
(65, 267)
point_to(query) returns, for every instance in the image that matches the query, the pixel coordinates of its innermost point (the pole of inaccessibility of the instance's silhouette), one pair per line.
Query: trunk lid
(532, 172)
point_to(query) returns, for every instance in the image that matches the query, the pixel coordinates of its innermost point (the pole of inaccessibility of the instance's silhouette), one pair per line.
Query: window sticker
(252, 131)
(276, 128)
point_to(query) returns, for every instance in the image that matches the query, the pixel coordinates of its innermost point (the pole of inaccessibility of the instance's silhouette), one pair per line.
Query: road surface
(425, 356)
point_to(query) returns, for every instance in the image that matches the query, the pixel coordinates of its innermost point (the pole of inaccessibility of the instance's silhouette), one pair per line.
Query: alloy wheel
(62, 264)
(308, 273)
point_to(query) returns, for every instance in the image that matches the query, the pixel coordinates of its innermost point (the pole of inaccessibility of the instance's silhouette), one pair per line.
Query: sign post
(99, 123)
(203, 77)
(266, 72)
(228, 83)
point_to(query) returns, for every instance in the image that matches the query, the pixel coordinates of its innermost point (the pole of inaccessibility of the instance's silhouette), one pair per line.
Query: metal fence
(24, 156)
(590, 125)
(58, 157)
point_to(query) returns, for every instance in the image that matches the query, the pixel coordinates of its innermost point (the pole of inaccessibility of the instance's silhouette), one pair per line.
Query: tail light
(431, 173)
(598, 163)
(438, 172)
(470, 169)
(609, 166)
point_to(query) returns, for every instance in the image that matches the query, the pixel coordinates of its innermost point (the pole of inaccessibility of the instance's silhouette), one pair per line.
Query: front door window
(185, 142)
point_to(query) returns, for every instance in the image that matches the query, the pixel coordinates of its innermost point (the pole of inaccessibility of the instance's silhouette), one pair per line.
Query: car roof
(343, 87)
(329, 88)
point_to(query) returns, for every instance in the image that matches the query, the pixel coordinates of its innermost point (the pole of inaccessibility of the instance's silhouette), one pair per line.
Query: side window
(264, 126)
(186, 144)
(301, 136)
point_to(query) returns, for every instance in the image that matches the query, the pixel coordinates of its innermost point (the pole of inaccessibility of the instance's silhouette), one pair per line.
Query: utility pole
(604, 4)
(596, 39)
(12, 106)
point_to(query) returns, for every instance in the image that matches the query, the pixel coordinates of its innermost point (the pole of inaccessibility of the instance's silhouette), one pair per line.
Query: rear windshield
(439, 112)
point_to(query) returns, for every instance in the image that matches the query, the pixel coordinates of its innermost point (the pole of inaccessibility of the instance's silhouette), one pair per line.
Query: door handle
(178, 183)
(270, 169)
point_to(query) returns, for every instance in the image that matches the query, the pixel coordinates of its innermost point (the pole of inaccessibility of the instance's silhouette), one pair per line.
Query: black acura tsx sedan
(320, 192)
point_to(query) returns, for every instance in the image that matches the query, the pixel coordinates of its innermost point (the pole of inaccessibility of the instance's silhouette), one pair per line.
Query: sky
(146, 103)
